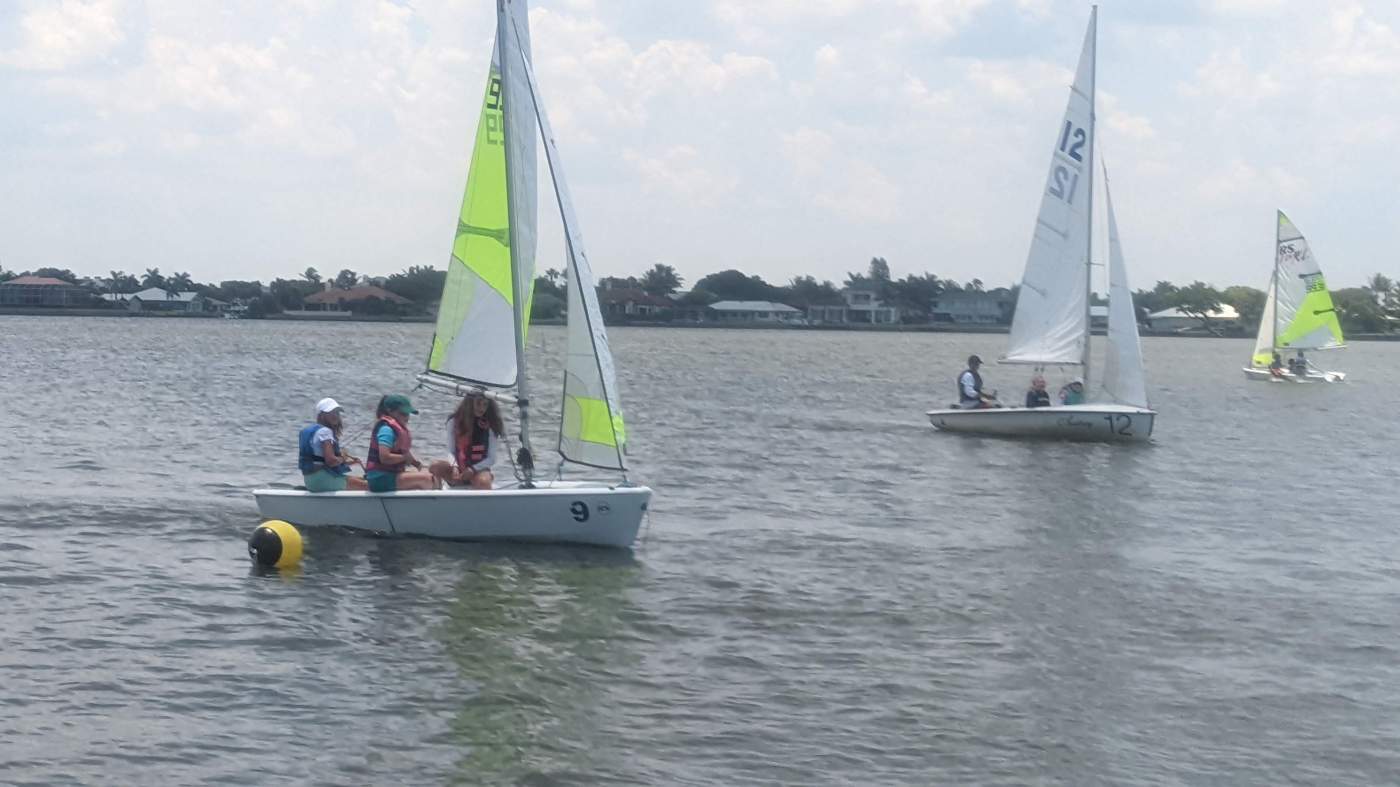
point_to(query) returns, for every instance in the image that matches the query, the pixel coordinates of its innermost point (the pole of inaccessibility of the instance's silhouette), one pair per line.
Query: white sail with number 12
(479, 346)
(1051, 323)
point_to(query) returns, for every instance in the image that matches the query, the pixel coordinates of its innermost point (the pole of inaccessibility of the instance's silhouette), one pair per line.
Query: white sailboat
(1298, 315)
(1051, 323)
(480, 346)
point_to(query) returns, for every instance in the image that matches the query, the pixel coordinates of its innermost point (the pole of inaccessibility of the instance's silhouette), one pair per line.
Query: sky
(254, 139)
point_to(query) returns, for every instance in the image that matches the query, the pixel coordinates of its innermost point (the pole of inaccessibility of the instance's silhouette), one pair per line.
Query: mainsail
(1052, 310)
(591, 431)
(1305, 317)
(1123, 378)
(493, 255)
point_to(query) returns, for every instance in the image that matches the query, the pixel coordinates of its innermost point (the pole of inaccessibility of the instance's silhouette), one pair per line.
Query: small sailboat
(479, 346)
(1298, 315)
(1051, 323)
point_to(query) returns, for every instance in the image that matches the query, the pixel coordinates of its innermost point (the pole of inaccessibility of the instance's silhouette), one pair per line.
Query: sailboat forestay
(1051, 325)
(479, 346)
(1298, 315)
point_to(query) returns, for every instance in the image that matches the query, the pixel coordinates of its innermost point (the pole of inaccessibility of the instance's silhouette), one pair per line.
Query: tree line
(1369, 309)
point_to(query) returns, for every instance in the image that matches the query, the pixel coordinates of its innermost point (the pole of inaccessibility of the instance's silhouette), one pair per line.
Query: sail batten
(1051, 322)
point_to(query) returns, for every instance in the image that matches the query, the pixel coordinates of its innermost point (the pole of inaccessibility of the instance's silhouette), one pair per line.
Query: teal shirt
(385, 438)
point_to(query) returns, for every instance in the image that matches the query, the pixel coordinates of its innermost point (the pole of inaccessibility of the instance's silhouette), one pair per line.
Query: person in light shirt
(970, 393)
(474, 431)
(325, 466)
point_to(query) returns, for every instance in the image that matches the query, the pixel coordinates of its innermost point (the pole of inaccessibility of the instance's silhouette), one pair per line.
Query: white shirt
(319, 440)
(969, 386)
(491, 440)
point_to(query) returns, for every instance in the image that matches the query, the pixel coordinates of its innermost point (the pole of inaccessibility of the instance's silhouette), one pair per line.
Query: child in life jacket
(391, 450)
(325, 466)
(473, 432)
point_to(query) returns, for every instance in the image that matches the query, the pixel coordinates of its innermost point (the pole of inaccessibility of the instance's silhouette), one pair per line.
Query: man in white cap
(325, 467)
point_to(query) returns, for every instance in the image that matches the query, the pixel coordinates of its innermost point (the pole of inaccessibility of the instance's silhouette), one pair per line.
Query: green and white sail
(1303, 317)
(493, 254)
(1051, 323)
(592, 431)
(1124, 380)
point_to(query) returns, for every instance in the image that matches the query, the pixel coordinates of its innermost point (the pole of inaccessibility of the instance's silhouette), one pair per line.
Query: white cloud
(840, 184)
(813, 131)
(64, 34)
(682, 171)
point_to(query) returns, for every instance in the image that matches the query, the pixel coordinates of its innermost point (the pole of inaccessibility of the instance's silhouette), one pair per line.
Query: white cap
(1079, 380)
(328, 405)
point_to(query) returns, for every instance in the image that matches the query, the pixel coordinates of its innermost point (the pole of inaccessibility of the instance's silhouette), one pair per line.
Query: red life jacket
(472, 447)
(403, 441)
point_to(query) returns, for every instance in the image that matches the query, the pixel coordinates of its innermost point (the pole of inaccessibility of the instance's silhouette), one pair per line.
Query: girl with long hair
(474, 431)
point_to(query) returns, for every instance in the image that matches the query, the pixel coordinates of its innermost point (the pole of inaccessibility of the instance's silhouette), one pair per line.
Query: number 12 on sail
(1063, 181)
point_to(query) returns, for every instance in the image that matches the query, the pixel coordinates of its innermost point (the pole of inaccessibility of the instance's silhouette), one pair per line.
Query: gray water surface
(828, 592)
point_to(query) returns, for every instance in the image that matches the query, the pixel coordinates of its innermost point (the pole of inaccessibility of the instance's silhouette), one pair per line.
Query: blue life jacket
(309, 458)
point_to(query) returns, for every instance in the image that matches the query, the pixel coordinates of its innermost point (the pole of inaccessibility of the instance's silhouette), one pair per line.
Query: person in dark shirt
(1037, 396)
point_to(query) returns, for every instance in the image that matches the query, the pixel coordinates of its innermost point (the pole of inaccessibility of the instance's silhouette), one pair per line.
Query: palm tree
(311, 275)
(153, 278)
(181, 282)
(552, 275)
(1380, 286)
(115, 283)
(975, 285)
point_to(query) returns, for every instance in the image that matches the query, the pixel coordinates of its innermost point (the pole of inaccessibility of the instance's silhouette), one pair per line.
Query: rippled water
(828, 593)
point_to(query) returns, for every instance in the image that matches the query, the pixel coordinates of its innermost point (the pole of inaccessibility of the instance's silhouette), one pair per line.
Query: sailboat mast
(522, 397)
(1089, 214)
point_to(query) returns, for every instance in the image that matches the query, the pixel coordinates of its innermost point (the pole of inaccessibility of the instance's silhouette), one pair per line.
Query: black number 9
(580, 511)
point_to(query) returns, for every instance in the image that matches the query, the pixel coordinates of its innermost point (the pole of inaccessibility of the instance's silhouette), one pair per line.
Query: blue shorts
(382, 482)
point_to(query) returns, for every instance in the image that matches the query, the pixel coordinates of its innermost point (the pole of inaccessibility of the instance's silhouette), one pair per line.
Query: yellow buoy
(275, 544)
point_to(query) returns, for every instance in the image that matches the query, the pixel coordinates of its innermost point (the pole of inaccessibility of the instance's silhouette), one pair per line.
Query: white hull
(1285, 376)
(563, 512)
(1109, 423)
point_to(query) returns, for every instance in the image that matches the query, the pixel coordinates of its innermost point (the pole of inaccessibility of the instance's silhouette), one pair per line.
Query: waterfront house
(761, 312)
(863, 306)
(1177, 320)
(43, 291)
(336, 299)
(156, 299)
(630, 303)
(973, 307)
(1098, 317)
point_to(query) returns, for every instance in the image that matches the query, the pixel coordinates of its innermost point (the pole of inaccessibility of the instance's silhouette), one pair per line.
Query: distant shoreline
(10, 311)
